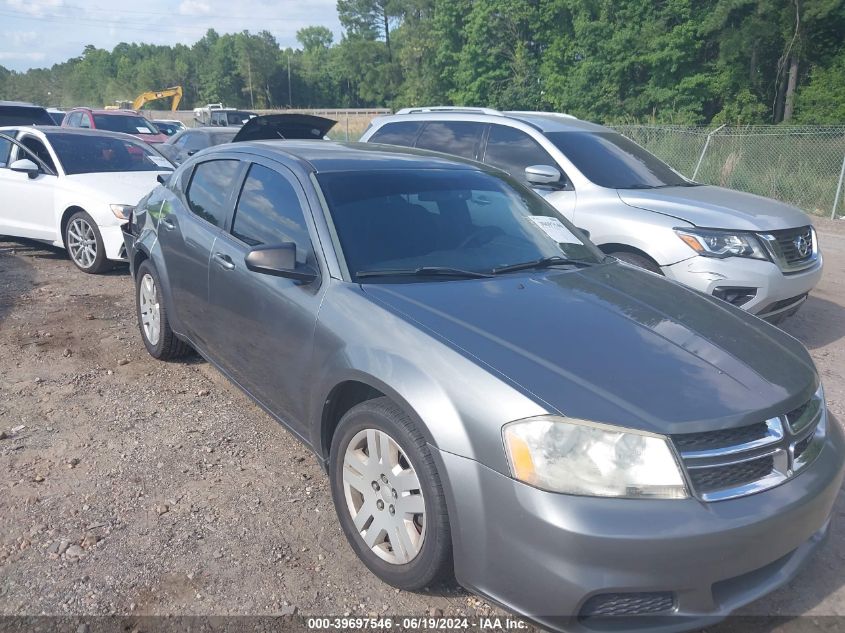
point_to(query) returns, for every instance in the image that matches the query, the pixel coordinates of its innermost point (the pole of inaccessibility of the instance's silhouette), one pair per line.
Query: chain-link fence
(799, 165)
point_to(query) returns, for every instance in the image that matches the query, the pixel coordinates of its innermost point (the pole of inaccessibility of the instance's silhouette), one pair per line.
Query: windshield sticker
(144, 130)
(160, 161)
(555, 229)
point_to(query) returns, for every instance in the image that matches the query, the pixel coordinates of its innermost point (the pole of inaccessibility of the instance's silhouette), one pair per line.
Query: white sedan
(73, 188)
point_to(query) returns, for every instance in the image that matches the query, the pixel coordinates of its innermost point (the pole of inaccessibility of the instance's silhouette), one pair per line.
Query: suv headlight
(715, 243)
(122, 211)
(586, 458)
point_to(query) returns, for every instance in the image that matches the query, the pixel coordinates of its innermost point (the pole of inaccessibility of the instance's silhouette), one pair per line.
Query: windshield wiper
(422, 271)
(543, 262)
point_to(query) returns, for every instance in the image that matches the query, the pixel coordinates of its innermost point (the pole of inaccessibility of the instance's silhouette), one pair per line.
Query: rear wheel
(159, 339)
(388, 496)
(640, 261)
(85, 245)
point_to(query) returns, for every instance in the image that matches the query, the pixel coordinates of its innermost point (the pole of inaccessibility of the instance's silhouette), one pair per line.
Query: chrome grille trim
(803, 428)
(781, 248)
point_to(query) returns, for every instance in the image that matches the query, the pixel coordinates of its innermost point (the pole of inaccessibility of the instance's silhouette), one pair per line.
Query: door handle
(167, 224)
(224, 261)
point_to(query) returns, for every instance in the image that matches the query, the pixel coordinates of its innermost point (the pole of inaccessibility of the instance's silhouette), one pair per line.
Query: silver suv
(753, 252)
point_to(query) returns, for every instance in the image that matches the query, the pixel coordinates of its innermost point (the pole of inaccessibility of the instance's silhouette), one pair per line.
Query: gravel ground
(135, 487)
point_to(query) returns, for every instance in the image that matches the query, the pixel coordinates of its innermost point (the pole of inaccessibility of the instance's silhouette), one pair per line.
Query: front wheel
(85, 244)
(159, 339)
(388, 496)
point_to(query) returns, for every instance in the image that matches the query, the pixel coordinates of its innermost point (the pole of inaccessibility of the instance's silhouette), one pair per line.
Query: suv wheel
(388, 496)
(159, 339)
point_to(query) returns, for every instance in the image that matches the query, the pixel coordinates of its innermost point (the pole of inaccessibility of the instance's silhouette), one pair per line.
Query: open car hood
(284, 126)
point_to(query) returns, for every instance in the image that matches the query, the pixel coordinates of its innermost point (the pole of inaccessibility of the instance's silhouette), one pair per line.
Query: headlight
(586, 458)
(713, 243)
(122, 211)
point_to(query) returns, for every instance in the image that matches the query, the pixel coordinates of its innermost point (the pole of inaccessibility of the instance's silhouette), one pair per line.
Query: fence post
(347, 127)
(838, 190)
(704, 150)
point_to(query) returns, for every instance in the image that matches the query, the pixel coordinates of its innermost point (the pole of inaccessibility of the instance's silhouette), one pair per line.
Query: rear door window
(403, 133)
(208, 193)
(513, 150)
(461, 138)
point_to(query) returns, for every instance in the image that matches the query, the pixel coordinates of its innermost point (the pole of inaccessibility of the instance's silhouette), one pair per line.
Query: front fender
(459, 404)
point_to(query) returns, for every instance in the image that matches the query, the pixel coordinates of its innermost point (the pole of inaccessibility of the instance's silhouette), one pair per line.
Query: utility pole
(290, 96)
(249, 73)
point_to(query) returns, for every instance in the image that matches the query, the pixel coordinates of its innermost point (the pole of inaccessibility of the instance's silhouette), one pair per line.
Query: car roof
(327, 156)
(109, 112)
(542, 121)
(21, 104)
(54, 130)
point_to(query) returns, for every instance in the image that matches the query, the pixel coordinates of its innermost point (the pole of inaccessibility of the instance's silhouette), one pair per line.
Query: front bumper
(545, 555)
(113, 242)
(777, 295)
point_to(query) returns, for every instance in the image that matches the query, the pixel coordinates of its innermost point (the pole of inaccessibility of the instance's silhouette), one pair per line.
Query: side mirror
(279, 261)
(162, 179)
(542, 175)
(25, 166)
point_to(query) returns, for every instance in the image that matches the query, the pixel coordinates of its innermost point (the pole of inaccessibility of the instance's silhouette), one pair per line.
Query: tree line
(677, 61)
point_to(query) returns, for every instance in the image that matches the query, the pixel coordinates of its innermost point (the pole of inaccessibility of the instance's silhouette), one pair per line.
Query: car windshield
(459, 222)
(167, 128)
(125, 123)
(239, 118)
(608, 159)
(90, 154)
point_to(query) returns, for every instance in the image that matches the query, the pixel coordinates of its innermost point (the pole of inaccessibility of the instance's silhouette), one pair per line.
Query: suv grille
(792, 249)
(731, 463)
(793, 243)
(622, 604)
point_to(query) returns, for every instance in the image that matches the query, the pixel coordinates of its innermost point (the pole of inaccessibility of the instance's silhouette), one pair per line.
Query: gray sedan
(490, 395)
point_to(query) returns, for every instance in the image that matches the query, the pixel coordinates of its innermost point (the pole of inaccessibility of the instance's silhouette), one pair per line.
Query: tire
(158, 338)
(84, 244)
(423, 558)
(640, 261)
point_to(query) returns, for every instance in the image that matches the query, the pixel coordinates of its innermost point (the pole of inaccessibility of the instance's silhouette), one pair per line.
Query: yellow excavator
(153, 95)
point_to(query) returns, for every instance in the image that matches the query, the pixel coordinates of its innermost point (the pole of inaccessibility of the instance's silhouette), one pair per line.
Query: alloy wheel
(384, 497)
(150, 309)
(82, 243)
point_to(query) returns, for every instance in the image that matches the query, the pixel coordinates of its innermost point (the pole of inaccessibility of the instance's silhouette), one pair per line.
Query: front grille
(729, 463)
(731, 475)
(791, 249)
(789, 241)
(801, 446)
(720, 439)
(627, 604)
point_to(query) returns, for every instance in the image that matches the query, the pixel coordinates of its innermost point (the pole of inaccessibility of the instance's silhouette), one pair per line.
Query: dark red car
(126, 121)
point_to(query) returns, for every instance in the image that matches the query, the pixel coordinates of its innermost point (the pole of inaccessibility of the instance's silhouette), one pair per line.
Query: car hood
(118, 187)
(717, 207)
(614, 344)
(284, 126)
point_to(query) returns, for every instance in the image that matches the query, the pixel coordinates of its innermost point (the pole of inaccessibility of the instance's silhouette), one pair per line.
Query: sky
(40, 33)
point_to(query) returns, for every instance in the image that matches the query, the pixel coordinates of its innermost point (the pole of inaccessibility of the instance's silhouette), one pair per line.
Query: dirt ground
(134, 487)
